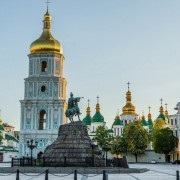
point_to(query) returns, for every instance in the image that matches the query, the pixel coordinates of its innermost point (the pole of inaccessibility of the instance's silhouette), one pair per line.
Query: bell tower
(42, 109)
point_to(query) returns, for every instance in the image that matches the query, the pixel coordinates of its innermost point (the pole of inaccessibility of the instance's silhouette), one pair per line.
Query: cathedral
(43, 106)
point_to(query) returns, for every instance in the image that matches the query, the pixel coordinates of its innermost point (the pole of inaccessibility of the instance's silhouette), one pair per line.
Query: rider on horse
(73, 108)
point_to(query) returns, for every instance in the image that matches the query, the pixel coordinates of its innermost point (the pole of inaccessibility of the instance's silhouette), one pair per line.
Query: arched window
(42, 120)
(43, 66)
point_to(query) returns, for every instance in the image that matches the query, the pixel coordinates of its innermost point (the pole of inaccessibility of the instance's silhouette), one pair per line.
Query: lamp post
(93, 146)
(31, 146)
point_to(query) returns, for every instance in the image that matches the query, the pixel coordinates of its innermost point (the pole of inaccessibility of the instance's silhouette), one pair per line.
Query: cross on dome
(161, 101)
(97, 99)
(88, 102)
(128, 85)
(47, 2)
(166, 106)
(149, 109)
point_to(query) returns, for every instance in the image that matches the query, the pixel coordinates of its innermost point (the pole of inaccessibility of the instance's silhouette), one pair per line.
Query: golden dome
(129, 108)
(46, 43)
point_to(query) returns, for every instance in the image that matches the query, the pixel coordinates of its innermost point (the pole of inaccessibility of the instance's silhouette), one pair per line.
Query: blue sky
(106, 44)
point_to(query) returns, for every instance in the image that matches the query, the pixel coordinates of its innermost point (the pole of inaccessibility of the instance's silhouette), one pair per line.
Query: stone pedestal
(73, 148)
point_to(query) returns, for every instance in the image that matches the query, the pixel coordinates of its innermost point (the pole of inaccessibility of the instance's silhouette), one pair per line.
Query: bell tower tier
(43, 106)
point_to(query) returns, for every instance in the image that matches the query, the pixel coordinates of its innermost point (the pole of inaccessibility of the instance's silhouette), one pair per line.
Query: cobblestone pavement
(156, 172)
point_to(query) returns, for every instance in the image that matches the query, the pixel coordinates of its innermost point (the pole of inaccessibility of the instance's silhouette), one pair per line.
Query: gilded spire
(88, 111)
(46, 43)
(166, 111)
(149, 115)
(161, 110)
(117, 115)
(129, 108)
(98, 105)
(143, 117)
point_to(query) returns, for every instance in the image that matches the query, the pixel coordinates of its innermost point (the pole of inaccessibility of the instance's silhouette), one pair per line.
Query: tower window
(42, 120)
(43, 88)
(43, 66)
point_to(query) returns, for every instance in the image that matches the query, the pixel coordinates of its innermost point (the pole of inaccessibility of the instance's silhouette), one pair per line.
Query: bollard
(105, 175)
(64, 161)
(12, 162)
(17, 174)
(44, 163)
(46, 174)
(177, 175)
(75, 174)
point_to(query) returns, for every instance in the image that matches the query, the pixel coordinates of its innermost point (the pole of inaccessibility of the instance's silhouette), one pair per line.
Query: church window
(42, 120)
(171, 121)
(43, 66)
(175, 122)
(118, 131)
(43, 88)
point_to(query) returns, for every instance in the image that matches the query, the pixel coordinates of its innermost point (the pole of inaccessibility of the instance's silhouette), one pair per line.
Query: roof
(118, 122)
(98, 117)
(109, 131)
(87, 120)
(144, 122)
(8, 137)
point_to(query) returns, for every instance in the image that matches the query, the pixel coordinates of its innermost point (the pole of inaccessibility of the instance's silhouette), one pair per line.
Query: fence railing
(65, 162)
(47, 172)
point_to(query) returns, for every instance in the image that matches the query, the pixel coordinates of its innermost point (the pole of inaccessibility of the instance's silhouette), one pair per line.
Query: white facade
(174, 121)
(42, 109)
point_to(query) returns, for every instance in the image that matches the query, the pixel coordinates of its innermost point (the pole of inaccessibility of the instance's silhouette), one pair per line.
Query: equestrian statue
(73, 109)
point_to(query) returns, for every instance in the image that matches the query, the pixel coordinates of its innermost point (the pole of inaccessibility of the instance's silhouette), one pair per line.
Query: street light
(93, 146)
(31, 146)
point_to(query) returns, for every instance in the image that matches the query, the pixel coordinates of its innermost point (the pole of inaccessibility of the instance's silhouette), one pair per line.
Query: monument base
(73, 147)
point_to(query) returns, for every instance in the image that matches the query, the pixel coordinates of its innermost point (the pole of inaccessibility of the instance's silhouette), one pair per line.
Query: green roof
(8, 137)
(98, 117)
(109, 131)
(150, 122)
(87, 120)
(118, 122)
(144, 122)
(162, 116)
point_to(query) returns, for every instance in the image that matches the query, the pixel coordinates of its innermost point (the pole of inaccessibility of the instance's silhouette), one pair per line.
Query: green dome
(87, 120)
(162, 116)
(144, 122)
(98, 117)
(117, 122)
(150, 122)
(109, 131)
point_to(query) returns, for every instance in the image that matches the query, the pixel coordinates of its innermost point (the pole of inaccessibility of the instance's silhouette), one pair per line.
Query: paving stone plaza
(156, 172)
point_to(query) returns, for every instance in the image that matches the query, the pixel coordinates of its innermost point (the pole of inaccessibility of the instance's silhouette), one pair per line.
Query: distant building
(10, 142)
(174, 121)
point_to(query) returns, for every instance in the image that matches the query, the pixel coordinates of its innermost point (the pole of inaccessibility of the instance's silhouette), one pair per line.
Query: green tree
(164, 141)
(118, 146)
(136, 138)
(103, 138)
(159, 124)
